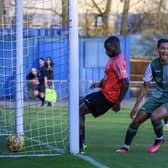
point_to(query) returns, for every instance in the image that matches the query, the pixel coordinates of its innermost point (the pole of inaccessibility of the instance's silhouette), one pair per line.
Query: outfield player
(113, 87)
(156, 107)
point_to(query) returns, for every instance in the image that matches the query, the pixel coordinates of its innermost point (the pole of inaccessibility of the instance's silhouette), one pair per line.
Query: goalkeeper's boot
(122, 150)
(83, 148)
(82, 151)
(156, 145)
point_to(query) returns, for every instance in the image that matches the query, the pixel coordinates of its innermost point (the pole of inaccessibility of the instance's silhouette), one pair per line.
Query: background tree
(104, 14)
(159, 15)
(1, 13)
(124, 20)
(97, 13)
(65, 13)
(97, 17)
(4, 13)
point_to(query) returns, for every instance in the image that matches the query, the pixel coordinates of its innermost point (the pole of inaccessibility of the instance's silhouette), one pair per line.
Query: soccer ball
(15, 143)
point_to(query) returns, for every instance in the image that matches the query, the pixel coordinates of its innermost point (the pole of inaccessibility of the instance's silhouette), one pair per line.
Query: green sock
(131, 132)
(158, 128)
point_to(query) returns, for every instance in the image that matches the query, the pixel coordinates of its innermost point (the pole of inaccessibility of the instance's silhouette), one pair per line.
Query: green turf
(42, 127)
(104, 135)
(63, 161)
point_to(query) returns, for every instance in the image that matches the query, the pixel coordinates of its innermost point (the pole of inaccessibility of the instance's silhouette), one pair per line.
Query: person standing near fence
(33, 81)
(42, 77)
(113, 87)
(32, 76)
(50, 73)
(156, 107)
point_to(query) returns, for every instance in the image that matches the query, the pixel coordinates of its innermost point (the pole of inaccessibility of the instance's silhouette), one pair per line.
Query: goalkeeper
(113, 87)
(156, 107)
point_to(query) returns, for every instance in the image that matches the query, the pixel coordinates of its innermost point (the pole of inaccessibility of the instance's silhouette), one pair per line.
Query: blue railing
(54, 43)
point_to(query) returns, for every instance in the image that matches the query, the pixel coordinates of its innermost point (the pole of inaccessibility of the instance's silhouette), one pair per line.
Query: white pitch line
(92, 161)
(26, 155)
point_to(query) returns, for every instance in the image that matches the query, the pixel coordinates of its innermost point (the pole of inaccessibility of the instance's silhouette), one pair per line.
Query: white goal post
(74, 76)
(19, 69)
(49, 130)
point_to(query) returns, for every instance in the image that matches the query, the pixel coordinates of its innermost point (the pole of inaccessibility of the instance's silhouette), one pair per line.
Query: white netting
(45, 128)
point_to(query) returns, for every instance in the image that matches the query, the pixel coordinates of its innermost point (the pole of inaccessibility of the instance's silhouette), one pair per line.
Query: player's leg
(156, 118)
(42, 98)
(37, 93)
(94, 103)
(132, 130)
(83, 111)
(81, 100)
(144, 113)
(42, 94)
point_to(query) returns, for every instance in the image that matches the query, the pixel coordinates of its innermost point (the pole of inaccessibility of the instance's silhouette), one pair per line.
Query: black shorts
(40, 88)
(97, 103)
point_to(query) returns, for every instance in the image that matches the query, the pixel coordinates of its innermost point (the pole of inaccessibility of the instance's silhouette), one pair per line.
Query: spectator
(50, 75)
(32, 76)
(33, 81)
(42, 77)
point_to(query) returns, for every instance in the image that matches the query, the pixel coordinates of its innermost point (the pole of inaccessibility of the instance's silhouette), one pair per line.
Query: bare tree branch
(97, 7)
(124, 22)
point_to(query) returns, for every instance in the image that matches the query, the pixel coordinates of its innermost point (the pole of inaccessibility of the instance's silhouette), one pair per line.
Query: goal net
(39, 28)
(30, 30)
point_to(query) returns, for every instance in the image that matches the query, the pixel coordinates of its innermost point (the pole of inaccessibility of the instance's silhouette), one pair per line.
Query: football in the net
(15, 143)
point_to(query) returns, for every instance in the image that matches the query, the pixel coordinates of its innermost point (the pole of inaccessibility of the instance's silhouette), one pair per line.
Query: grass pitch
(104, 135)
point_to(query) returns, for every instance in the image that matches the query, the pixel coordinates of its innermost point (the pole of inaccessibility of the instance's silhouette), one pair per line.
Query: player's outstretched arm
(142, 93)
(96, 85)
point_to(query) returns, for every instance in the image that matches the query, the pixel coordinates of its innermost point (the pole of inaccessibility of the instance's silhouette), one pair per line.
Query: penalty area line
(92, 161)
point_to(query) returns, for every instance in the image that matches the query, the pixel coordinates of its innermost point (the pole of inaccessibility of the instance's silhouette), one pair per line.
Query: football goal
(30, 30)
